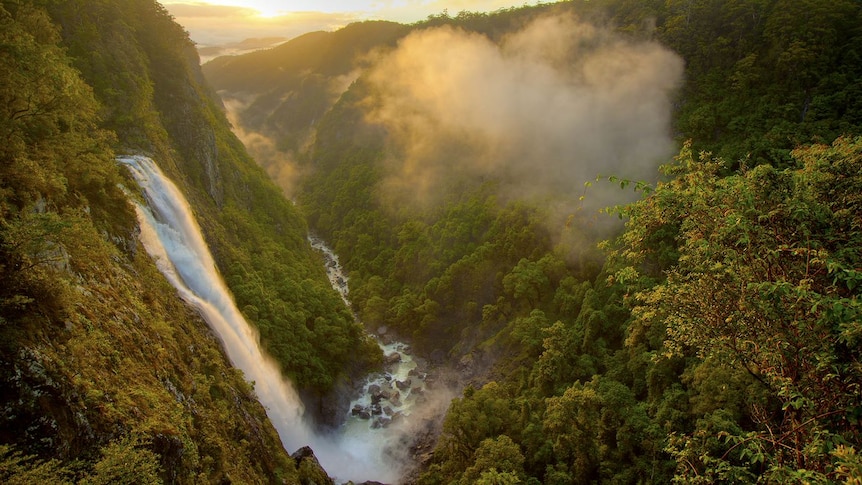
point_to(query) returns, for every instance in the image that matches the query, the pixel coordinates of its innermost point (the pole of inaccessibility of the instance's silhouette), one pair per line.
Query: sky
(222, 22)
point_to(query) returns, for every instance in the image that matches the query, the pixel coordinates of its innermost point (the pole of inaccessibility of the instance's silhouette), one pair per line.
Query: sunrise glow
(222, 22)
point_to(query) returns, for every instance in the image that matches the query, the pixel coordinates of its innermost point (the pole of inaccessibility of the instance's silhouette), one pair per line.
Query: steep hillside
(714, 338)
(107, 376)
(283, 91)
(144, 70)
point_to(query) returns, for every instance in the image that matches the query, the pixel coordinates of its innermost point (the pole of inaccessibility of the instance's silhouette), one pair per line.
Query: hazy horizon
(219, 23)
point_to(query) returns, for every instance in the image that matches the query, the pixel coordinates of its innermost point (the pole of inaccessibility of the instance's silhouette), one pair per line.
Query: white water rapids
(172, 237)
(387, 398)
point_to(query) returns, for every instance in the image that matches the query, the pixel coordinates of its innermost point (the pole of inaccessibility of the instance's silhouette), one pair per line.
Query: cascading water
(386, 398)
(173, 239)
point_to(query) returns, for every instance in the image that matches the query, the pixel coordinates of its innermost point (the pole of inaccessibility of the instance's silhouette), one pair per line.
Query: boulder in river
(403, 385)
(381, 422)
(392, 359)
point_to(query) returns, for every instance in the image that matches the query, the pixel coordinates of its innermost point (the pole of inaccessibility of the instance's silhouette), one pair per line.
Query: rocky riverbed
(398, 410)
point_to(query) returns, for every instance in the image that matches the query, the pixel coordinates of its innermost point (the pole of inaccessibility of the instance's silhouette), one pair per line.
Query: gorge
(714, 335)
(359, 450)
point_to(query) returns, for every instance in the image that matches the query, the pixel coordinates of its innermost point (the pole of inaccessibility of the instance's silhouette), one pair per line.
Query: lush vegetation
(107, 377)
(258, 239)
(715, 339)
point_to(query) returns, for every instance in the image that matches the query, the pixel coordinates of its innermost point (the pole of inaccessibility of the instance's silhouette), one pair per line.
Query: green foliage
(96, 346)
(125, 462)
(16, 469)
(52, 151)
(719, 341)
(765, 283)
(497, 460)
(143, 68)
(766, 75)
(474, 435)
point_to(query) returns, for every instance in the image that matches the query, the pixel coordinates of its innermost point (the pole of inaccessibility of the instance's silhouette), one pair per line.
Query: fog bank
(550, 107)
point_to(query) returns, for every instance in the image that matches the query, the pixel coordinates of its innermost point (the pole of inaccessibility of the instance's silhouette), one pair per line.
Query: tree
(767, 281)
(498, 458)
(572, 425)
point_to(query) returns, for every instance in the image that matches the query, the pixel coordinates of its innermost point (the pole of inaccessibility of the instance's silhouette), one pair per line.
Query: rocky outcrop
(310, 471)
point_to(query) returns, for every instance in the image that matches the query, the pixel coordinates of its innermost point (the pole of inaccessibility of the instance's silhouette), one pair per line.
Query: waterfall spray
(173, 239)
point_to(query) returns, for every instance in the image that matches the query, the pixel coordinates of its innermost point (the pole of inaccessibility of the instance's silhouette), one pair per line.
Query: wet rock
(392, 359)
(381, 422)
(403, 385)
(388, 411)
(416, 391)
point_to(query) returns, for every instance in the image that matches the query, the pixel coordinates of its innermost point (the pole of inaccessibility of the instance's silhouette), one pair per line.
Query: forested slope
(107, 376)
(713, 339)
(144, 69)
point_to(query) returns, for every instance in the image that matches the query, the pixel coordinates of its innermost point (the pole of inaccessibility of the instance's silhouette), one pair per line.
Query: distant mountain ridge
(291, 86)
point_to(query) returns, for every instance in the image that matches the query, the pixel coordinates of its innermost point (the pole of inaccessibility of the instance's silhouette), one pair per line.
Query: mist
(542, 112)
(279, 164)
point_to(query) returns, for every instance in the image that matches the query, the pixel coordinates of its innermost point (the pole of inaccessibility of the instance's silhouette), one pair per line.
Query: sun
(266, 10)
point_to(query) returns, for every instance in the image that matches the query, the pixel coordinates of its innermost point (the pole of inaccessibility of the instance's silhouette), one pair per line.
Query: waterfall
(173, 239)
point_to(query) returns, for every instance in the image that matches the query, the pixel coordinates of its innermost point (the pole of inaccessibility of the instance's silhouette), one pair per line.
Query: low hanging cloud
(278, 164)
(543, 111)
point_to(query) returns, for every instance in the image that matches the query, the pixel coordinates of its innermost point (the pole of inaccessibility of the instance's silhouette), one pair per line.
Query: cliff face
(105, 373)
